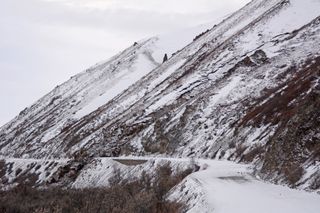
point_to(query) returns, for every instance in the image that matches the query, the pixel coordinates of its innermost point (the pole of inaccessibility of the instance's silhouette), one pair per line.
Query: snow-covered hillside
(93, 88)
(219, 186)
(246, 90)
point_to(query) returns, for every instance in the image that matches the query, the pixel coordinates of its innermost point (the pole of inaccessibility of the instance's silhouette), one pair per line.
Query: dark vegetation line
(147, 194)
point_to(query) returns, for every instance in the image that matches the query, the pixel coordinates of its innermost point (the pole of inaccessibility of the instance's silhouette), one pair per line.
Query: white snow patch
(166, 73)
(225, 91)
(121, 81)
(230, 188)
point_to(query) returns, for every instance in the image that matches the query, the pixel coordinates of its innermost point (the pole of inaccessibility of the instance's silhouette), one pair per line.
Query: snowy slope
(228, 187)
(93, 88)
(34, 171)
(247, 90)
(219, 186)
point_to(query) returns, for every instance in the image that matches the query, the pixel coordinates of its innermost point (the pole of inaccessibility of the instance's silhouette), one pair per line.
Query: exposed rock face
(247, 90)
(293, 109)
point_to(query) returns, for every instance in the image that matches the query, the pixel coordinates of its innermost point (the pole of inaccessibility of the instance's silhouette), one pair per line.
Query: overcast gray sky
(44, 42)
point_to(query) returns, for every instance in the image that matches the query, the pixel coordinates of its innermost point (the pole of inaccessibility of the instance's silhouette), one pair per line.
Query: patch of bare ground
(130, 162)
(238, 179)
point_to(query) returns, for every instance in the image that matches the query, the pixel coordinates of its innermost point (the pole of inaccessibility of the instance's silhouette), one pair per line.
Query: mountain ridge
(204, 101)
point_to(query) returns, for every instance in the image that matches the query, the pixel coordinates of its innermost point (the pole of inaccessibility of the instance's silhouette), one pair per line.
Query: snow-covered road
(218, 187)
(230, 188)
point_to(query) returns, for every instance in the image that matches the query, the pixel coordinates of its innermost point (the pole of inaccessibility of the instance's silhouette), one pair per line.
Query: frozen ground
(218, 187)
(229, 188)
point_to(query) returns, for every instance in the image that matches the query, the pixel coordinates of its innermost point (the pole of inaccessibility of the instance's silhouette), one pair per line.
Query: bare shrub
(144, 195)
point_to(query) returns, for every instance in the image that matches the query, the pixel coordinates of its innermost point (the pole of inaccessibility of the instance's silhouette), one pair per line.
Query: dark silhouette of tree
(165, 58)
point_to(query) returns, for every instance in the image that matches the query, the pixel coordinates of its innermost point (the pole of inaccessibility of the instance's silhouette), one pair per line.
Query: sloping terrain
(247, 90)
(228, 187)
(84, 93)
(80, 174)
(218, 186)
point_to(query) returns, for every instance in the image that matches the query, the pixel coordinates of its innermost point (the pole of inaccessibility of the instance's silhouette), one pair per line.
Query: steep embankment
(247, 90)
